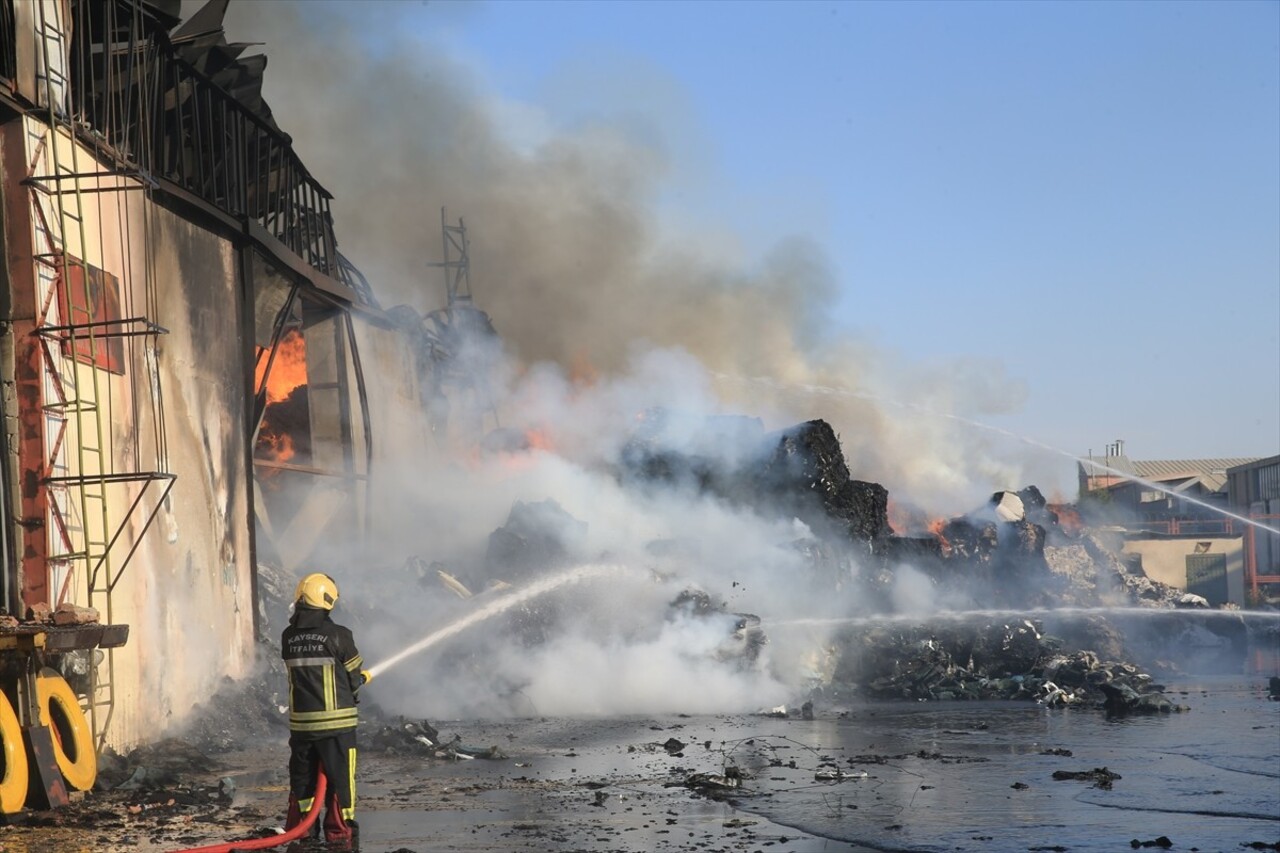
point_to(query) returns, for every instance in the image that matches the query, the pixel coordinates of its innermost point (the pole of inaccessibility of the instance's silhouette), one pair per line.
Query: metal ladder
(80, 469)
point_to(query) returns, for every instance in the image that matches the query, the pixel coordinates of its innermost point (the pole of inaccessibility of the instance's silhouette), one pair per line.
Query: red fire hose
(271, 840)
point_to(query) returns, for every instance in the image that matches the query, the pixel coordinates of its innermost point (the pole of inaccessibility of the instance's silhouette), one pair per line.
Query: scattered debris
(980, 659)
(1101, 777)
(828, 772)
(454, 585)
(72, 614)
(713, 785)
(405, 736)
(1122, 699)
(39, 612)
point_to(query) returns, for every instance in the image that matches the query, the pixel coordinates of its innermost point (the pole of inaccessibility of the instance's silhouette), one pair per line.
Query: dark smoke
(570, 255)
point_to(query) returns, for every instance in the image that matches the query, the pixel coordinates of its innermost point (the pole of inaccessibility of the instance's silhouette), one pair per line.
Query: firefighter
(324, 680)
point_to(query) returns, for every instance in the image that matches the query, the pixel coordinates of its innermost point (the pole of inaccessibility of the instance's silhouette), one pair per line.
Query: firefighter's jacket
(324, 674)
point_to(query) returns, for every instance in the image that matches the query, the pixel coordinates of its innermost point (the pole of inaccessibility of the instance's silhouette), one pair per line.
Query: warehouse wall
(186, 592)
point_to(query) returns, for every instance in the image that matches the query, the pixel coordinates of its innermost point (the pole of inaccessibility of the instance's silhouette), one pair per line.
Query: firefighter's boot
(337, 832)
(295, 814)
(295, 817)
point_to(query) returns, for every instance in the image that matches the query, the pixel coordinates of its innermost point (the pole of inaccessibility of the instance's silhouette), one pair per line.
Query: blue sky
(1089, 192)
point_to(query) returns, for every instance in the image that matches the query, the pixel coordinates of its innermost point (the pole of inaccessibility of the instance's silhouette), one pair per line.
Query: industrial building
(188, 359)
(1178, 517)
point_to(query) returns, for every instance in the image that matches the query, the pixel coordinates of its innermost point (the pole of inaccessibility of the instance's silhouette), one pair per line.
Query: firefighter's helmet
(317, 590)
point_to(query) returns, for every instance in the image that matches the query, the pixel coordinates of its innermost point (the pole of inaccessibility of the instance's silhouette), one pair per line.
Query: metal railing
(1256, 572)
(8, 44)
(136, 100)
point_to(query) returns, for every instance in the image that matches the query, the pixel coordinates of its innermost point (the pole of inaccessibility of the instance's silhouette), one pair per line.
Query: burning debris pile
(1010, 553)
(799, 472)
(1013, 553)
(1006, 557)
(1092, 574)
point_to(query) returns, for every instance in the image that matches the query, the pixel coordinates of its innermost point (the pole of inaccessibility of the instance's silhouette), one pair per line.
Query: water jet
(501, 605)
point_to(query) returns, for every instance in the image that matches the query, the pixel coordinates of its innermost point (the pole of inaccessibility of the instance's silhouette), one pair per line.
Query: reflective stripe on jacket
(324, 673)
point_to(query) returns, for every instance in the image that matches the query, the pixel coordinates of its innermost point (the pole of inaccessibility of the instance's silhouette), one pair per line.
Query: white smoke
(577, 266)
(585, 278)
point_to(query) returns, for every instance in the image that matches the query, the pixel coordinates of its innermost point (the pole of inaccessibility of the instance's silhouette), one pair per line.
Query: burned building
(193, 374)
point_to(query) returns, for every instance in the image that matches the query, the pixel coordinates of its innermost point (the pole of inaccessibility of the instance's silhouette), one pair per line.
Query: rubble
(1163, 842)
(419, 737)
(799, 472)
(951, 661)
(71, 614)
(714, 786)
(1093, 575)
(1123, 699)
(537, 536)
(156, 766)
(404, 737)
(1101, 777)
(807, 462)
(253, 708)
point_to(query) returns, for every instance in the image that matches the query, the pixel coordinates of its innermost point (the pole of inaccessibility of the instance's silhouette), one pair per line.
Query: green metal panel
(1207, 576)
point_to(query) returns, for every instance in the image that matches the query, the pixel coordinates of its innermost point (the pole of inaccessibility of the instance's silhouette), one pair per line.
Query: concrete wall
(1165, 559)
(186, 592)
(192, 579)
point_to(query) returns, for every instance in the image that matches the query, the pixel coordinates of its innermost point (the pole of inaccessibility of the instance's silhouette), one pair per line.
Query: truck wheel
(72, 738)
(13, 782)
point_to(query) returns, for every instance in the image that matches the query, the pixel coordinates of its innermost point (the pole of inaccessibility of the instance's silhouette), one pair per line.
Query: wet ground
(938, 777)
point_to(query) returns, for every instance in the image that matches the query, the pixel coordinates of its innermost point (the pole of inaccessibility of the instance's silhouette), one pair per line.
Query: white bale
(1009, 506)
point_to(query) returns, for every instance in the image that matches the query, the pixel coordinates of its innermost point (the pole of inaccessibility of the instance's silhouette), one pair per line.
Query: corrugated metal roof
(1209, 473)
(1159, 470)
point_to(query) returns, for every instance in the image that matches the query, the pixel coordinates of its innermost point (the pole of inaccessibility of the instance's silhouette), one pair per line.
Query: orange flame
(582, 373)
(1069, 520)
(288, 369)
(899, 518)
(538, 439)
(278, 447)
(288, 373)
(935, 527)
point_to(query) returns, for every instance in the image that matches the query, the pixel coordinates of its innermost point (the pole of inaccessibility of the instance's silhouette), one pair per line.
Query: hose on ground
(271, 840)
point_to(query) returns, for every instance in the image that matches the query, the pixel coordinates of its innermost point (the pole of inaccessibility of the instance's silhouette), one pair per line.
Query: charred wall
(145, 407)
(191, 588)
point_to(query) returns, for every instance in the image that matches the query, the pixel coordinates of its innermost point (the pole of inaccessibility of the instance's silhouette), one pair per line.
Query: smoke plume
(605, 308)
(573, 260)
